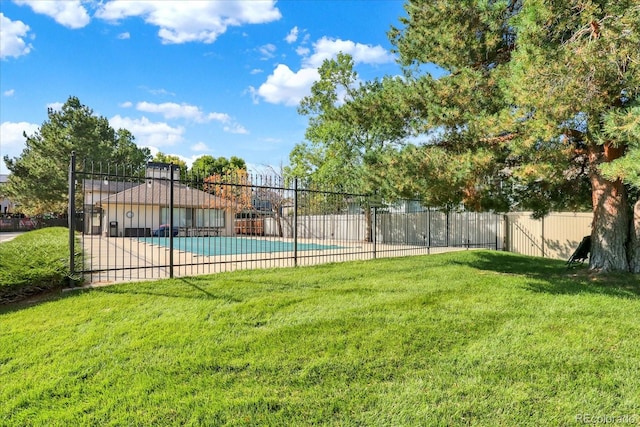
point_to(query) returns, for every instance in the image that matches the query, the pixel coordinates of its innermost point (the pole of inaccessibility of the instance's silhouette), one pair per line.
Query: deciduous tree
(352, 127)
(208, 165)
(161, 157)
(233, 186)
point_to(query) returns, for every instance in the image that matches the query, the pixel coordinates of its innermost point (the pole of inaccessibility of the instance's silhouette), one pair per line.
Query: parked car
(163, 231)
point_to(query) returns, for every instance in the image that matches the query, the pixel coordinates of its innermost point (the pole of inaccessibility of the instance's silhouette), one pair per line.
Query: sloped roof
(106, 186)
(158, 193)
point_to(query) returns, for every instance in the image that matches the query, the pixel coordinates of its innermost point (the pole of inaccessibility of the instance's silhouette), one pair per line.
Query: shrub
(34, 262)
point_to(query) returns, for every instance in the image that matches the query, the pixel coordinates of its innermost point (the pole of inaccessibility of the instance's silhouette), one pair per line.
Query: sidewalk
(10, 235)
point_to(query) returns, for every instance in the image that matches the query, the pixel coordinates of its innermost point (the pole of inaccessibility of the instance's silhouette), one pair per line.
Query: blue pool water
(232, 245)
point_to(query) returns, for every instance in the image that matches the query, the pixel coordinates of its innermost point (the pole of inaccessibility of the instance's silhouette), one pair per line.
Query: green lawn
(470, 338)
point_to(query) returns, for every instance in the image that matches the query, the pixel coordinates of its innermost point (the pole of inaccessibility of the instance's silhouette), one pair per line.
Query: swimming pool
(212, 246)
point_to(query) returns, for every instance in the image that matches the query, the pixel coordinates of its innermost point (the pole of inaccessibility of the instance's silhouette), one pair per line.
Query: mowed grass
(469, 338)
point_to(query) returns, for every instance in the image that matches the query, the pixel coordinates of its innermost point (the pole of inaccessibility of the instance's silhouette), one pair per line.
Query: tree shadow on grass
(191, 290)
(33, 300)
(554, 277)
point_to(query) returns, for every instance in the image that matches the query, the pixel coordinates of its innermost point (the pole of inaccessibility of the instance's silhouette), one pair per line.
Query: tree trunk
(279, 222)
(634, 240)
(610, 228)
(368, 220)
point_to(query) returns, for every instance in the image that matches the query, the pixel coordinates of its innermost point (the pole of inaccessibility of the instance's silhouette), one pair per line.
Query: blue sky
(188, 78)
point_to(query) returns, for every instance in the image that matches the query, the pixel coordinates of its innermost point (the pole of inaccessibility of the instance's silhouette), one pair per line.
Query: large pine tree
(538, 107)
(39, 176)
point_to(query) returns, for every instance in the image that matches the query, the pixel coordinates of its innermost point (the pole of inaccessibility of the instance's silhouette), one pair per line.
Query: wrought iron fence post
(542, 237)
(507, 234)
(71, 217)
(374, 238)
(429, 230)
(468, 229)
(448, 226)
(295, 222)
(495, 216)
(171, 202)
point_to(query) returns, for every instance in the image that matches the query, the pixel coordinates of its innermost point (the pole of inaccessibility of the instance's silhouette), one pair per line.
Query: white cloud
(13, 140)
(272, 140)
(189, 160)
(284, 86)
(162, 92)
(194, 21)
(70, 13)
(12, 35)
(256, 71)
(327, 48)
(255, 97)
(172, 110)
(219, 117)
(236, 128)
(124, 36)
(148, 133)
(9, 92)
(267, 51)
(302, 50)
(292, 37)
(200, 147)
(126, 104)
(287, 87)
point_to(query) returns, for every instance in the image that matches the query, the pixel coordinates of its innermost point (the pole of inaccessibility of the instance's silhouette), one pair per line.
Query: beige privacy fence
(555, 236)
(428, 228)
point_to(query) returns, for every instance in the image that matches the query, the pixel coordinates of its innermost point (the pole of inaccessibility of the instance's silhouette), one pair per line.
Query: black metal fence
(24, 223)
(155, 224)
